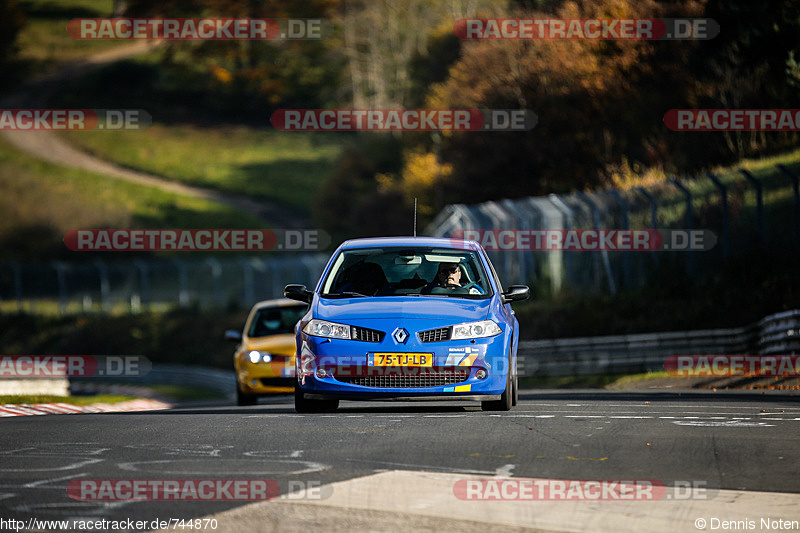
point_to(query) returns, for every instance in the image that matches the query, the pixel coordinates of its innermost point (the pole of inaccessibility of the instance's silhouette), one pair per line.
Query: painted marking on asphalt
(716, 423)
(504, 471)
(229, 466)
(71, 466)
(40, 484)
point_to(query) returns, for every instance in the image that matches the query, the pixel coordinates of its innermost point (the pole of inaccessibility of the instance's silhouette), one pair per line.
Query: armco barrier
(197, 377)
(775, 334)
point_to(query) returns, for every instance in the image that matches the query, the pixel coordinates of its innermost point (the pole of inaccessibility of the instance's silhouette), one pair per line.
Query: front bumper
(345, 369)
(266, 378)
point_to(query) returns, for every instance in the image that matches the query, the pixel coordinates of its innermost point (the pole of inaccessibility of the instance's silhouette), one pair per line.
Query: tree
(11, 21)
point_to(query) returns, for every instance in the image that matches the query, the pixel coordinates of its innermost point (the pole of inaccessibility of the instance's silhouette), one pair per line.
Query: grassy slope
(41, 201)
(193, 141)
(44, 39)
(286, 167)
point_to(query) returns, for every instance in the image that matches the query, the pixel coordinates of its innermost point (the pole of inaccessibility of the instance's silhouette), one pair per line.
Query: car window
(403, 271)
(275, 320)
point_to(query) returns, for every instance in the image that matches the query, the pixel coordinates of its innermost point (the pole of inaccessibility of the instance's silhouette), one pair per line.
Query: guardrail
(615, 354)
(198, 377)
(619, 354)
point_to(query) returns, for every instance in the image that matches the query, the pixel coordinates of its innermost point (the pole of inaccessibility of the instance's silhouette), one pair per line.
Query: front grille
(434, 378)
(435, 335)
(365, 334)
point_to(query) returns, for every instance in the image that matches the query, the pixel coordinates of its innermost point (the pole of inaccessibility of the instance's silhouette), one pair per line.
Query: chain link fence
(115, 285)
(747, 212)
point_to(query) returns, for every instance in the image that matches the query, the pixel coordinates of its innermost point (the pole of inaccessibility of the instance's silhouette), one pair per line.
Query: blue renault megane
(407, 318)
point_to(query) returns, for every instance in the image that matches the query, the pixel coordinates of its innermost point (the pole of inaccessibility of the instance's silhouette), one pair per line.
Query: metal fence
(777, 334)
(734, 208)
(135, 285)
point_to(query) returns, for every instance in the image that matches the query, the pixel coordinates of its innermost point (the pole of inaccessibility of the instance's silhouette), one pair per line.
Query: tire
(305, 405)
(506, 399)
(515, 396)
(243, 398)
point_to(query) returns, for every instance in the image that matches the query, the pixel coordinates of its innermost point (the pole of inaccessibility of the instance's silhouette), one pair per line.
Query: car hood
(283, 344)
(423, 308)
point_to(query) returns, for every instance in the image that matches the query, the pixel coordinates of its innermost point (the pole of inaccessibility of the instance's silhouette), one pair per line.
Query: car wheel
(506, 399)
(244, 398)
(305, 405)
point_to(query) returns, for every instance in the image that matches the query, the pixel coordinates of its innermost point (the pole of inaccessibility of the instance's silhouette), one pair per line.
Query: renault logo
(400, 335)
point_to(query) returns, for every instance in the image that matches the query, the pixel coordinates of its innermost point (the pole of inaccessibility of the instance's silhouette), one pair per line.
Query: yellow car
(264, 360)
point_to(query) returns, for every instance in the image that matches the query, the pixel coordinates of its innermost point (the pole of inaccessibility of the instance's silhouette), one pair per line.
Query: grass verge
(193, 142)
(42, 201)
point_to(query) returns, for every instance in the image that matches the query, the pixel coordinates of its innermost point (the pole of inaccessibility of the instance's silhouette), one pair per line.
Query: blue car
(407, 318)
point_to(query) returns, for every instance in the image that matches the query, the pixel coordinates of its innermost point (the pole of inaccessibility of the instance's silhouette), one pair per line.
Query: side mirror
(233, 335)
(516, 293)
(299, 293)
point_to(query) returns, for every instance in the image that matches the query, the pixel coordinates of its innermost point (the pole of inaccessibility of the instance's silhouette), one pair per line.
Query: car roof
(379, 242)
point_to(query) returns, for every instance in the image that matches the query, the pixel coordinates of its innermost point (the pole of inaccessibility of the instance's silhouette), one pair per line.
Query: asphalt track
(390, 466)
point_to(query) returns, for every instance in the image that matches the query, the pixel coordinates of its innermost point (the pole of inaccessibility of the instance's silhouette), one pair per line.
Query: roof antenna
(415, 216)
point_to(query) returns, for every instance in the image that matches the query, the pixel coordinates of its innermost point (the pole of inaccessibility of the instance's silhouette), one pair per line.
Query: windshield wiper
(345, 294)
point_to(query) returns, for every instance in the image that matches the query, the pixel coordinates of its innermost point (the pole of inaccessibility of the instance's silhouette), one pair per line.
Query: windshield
(276, 320)
(416, 271)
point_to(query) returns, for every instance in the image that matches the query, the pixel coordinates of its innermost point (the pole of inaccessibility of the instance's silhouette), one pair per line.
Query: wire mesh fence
(115, 285)
(745, 211)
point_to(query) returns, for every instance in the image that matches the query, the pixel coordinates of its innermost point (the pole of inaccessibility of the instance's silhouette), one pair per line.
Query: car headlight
(475, 330)
(259, 357)
(323, 328)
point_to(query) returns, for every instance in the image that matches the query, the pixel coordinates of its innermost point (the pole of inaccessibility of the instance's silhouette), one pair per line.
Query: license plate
(400, 359)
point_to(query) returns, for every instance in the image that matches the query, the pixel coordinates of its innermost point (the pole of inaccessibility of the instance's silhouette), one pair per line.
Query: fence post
(612, 286)
(688, 194)
(796, 190)
(626, 264)
(216, 272)
(653, 211)
(144, 281)
(759, 206)
(183, 282)
(105, 288)
(726, 230)
(247, 272)
(567, 214)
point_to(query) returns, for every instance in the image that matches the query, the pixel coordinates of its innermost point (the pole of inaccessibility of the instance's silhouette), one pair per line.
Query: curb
(141, 404)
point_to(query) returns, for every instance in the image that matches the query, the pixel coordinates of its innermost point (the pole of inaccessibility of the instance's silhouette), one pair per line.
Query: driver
(448, 276)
